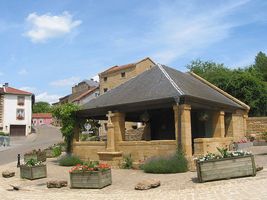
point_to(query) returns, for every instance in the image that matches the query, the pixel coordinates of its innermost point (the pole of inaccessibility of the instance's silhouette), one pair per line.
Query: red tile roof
(10, 90)
(41, 115)
(121, 67)
(85, 94)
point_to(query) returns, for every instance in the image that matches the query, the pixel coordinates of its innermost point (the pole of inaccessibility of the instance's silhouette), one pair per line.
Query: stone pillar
(176, 121)
(110, 133)
(218, 124)
(147, 132)
(186, 134)
(237, 125)
(118, 120)
(245, 118)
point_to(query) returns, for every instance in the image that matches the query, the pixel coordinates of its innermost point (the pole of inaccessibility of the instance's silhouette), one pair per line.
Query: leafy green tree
(261, 64)
(66, 114)
(244, 84)
(41, 107)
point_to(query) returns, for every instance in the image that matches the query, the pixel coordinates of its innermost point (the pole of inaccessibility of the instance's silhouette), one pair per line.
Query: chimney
(6, 85)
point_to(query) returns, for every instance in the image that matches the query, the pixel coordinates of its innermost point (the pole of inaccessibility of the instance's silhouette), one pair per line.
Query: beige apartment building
(117, 75)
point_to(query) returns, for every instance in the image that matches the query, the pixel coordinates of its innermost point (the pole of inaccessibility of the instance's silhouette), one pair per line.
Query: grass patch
(69, 160)
(176, 163)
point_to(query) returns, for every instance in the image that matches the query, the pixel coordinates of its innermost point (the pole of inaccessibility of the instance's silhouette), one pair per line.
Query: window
(105, 90)
(123, 74)
(20, 114)
(21, 100)
(105, 78)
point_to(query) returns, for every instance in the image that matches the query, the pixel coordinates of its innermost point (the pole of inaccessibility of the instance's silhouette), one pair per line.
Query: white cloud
(66, 82)
(178, 33)
(23, 72)
(96, 78)
(43, 27)
(50, 98)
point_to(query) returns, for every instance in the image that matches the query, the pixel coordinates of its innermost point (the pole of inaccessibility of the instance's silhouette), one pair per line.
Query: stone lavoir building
(176, 109)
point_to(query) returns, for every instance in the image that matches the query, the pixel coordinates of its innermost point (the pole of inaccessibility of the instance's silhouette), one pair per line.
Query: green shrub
(69, 160)
(56, 151)
(4, 134)
(127, 162)
(176, 163)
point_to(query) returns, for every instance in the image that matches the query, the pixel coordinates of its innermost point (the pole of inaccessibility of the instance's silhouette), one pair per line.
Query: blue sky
(49, 45)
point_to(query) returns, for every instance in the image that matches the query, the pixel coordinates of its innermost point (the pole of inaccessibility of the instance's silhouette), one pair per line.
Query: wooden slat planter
(34, 172)
(226, 168)
(40, 156)
(93, 180)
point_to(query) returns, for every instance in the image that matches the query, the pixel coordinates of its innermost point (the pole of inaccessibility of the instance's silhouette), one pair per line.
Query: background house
(15, 111)
(78, 90)
(86, 96)
(41, 119)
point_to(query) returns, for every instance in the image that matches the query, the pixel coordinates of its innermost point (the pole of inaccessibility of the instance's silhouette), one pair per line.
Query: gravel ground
(173, 186)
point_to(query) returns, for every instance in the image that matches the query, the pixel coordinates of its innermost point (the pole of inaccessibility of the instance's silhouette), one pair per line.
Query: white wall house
(16, 111)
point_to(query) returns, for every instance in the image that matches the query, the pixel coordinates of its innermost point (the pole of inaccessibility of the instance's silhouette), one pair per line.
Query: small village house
(176, 109)
(42, 119)
(86, 96)
(15, 111)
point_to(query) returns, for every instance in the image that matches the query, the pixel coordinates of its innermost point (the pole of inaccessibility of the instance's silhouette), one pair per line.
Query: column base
(114, 159)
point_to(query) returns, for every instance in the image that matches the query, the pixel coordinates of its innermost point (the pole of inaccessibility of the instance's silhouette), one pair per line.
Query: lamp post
(18, 163)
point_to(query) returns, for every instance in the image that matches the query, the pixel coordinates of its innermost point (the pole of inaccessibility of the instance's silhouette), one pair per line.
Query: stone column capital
(185, 107)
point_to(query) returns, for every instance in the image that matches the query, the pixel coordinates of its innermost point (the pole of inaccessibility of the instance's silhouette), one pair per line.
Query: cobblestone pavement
(173, 186)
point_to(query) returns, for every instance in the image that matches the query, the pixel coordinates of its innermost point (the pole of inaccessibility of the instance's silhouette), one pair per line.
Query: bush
(69, 160)
(56, 151)
(4, 134)
(127, 162)
(176, 163)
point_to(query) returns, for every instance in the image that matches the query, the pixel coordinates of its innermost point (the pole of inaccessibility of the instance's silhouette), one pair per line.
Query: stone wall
(256, 125)
(134, 134)
(204, 145)
(87, 150)
(142, 150)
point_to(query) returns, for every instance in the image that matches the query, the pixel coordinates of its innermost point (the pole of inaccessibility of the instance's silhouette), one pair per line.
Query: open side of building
(176, 109)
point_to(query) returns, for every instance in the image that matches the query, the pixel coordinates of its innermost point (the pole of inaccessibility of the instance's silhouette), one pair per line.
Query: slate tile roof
(159, 83)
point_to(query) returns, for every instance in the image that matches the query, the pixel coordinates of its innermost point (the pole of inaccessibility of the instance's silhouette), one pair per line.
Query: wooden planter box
(40, 156)
(226, 168)
(93, 180)
(34, 172)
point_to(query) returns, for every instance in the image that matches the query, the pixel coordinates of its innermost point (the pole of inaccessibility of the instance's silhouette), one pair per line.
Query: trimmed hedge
(176, 163)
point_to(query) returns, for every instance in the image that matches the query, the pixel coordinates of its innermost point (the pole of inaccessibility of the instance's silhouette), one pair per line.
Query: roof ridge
(176, 87)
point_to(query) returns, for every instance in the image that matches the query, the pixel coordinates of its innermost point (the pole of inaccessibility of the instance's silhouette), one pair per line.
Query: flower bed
(226, 165)
(92, 175)
(33, 170)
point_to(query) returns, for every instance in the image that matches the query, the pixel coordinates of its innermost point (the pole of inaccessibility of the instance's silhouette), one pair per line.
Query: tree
(244, 84)
(66, 114)
(41, 107)
(261, 64)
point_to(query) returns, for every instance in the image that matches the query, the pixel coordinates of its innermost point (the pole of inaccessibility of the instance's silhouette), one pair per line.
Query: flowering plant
(33, 162)
(224, 153)
(90, 167)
